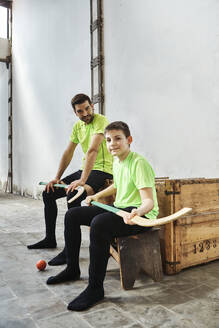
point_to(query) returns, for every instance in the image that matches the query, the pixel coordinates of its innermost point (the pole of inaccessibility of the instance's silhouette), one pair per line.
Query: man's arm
(90, 158)
(65, 160)
(146, 205)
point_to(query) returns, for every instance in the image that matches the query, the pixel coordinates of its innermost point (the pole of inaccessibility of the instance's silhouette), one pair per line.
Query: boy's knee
(98, 225)
(72, 215)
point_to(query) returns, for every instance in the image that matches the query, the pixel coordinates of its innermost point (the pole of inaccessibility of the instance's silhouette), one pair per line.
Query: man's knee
(48, 195)
(77, 201)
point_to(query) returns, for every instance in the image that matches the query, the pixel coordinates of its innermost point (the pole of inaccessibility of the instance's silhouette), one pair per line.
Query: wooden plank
(198, 218)
(169, 235)
(200, 196)
(200, 252)
(198, 232)
(114, 254)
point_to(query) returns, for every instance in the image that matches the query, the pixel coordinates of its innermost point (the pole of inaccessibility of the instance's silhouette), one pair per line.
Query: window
(3, 22)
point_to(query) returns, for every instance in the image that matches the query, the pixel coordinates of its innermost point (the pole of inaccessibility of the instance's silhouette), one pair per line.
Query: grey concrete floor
(188, 299)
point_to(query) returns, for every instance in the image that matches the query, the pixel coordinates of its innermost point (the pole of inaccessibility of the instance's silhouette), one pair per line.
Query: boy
(135, 192)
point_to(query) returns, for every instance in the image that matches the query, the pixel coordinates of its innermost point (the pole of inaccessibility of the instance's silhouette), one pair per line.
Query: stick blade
(80, 191)
(157, 222)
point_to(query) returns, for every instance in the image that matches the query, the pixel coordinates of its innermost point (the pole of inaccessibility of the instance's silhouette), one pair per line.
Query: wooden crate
(193, 239)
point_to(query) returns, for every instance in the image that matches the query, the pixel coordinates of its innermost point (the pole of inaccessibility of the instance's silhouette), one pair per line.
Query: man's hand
(89, 199)
(51, 185)
(127, 218)
(74, 185)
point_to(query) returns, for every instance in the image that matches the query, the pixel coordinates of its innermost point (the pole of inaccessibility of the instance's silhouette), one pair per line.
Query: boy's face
(117, 143)
(85, 112)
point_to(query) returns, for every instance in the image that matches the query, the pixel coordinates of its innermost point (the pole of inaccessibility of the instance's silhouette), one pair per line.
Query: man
(134, 183)
(96, 168)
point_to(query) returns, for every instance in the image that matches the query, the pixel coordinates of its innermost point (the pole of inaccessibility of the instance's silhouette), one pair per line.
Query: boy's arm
(109, 191)
(146, 206)
(90, 158)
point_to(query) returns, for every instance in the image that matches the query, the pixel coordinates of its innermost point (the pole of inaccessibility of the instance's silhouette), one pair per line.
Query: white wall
(51, 56)
(162, 77)
(3, 125)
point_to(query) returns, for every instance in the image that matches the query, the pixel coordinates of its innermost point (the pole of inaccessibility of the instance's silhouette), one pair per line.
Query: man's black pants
(96, 180)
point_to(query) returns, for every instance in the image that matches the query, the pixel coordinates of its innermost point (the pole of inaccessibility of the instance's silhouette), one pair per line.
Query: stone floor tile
(63, 320)
(12, 310)
(163, 318)
(6, 293)
(135, 325)
(177, 282)
(25, 285)
(16, 323)
(203, 292)
(203, 313)
(42, 304)
(134, 307)
(168, 298)
(107, 318)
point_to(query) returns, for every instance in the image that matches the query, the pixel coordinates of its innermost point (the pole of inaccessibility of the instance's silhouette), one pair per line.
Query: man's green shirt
(82, 133)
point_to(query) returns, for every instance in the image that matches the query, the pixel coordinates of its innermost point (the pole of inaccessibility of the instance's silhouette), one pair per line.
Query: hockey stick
(145, 222)
(79, 190)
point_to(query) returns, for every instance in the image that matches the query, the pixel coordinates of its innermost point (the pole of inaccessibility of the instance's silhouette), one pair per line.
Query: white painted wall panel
(3, 124)
(51, 56)
(162, 77)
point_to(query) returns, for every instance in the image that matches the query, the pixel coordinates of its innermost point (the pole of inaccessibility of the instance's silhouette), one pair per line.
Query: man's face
(117, 143)
(85, 112)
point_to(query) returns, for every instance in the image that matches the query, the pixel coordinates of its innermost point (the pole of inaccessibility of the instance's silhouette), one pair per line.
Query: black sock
(63, 276)
(59, 259)
(45, 243)
(86, 299)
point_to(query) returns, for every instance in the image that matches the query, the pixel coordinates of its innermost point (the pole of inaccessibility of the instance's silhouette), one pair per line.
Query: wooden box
(193, 239)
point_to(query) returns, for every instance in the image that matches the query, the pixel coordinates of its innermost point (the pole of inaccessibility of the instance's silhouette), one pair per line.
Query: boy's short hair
(80, 98)
(118, 125)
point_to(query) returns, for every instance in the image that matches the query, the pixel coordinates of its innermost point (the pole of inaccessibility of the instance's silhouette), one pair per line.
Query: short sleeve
(143, 175)
(74, 137)
(99, 125)
(114, 173)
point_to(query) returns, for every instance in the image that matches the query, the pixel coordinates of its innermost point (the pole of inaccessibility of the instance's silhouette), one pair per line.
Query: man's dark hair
(118, 125)
(80, 99)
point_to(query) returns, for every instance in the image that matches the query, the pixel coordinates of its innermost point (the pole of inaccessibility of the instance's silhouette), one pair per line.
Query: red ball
(41, 265)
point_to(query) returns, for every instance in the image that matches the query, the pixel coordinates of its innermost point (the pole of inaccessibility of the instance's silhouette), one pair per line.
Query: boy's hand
(127, 218)
(88, 199)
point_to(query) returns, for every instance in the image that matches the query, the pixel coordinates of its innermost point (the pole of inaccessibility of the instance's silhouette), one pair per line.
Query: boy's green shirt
(82, 133)
(129, 176)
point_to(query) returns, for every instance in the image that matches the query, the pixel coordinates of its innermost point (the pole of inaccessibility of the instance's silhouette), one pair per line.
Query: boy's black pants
(104, 226)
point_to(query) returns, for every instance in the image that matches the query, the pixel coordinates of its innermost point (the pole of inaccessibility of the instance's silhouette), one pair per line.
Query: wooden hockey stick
(145, 222)
(79, 189)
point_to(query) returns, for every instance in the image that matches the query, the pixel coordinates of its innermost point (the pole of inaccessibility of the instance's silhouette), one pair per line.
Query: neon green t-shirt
(129, 176)
(82, 133)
